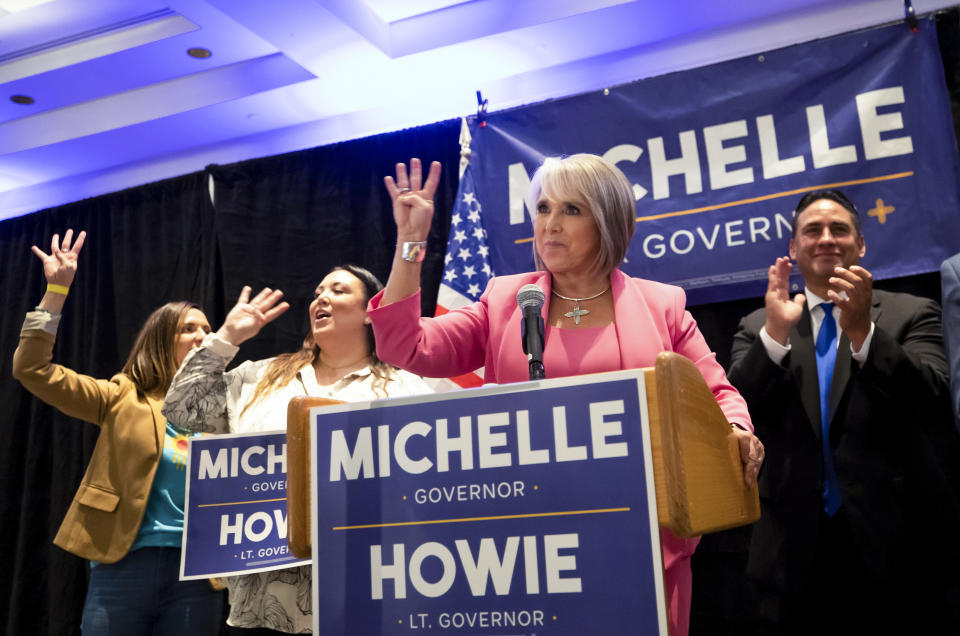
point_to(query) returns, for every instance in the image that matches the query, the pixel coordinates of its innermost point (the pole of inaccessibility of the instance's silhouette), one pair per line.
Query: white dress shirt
(778, 352)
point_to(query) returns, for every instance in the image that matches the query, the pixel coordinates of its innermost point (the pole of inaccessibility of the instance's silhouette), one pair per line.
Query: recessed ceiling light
(92, 44)
(198, 52)
(26, 100)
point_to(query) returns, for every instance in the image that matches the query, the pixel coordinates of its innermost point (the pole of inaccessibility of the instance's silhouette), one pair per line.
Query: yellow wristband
(58, 289)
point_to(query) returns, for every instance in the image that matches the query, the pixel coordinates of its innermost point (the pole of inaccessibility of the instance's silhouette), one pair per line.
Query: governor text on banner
(718, 156)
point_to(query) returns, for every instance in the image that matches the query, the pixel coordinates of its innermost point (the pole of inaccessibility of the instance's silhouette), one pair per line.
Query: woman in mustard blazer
(127, 515)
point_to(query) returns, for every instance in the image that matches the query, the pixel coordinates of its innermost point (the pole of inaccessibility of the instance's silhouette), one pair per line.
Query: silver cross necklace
(577, 312)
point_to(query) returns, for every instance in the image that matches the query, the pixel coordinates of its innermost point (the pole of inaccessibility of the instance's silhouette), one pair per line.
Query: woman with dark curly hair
(337, 360)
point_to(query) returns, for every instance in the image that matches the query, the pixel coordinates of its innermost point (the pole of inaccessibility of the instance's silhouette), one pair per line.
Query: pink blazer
(650, 318)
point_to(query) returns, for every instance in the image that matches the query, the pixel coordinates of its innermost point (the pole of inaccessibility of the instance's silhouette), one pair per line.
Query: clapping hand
(413, 199)
(853, 293)
(249, 316)
(783, 312)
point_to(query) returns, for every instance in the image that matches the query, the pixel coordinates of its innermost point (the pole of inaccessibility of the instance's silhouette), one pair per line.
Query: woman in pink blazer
(597, 318)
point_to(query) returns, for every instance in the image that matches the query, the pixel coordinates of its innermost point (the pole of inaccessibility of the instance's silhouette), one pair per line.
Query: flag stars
(467, 244)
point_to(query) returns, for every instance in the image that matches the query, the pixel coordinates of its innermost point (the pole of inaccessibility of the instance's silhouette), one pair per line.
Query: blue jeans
(141, 595)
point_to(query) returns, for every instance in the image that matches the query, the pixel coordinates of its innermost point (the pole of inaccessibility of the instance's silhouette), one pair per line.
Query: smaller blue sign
(236, 510)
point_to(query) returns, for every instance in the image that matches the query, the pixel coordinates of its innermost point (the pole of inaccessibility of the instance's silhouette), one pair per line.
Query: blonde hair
(152, 362)
(286, 366)
(603, 187)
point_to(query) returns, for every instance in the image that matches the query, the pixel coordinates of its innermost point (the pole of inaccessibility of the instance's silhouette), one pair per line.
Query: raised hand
(852, 292)
(413, 199)
(783, 312)
(60, 265)
(249, 316)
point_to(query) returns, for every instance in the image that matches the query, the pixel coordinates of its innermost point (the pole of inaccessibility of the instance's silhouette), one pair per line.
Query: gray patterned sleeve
(197, 398)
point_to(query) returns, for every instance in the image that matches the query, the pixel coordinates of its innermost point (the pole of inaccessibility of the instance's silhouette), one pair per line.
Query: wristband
(414, 251)
(58, 289)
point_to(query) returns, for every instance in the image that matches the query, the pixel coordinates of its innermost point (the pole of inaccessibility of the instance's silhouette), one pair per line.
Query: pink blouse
(581, 351)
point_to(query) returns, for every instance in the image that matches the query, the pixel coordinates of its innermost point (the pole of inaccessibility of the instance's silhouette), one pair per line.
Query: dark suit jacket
(950, 286)
(884, 415)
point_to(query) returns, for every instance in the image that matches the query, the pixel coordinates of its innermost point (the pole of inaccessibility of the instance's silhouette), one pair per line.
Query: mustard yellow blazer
(106, 512)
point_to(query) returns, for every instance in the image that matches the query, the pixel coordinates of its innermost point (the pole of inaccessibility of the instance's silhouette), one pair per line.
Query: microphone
(530, 298)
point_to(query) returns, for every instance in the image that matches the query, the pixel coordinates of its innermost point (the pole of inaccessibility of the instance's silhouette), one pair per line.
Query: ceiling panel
(117, 101)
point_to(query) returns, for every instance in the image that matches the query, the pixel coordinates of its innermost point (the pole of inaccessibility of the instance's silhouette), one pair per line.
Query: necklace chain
(580, 300)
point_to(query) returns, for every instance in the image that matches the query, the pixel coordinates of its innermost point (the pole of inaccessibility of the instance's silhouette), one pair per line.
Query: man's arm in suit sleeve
(759, 379)
(950, 284)
(910, 364)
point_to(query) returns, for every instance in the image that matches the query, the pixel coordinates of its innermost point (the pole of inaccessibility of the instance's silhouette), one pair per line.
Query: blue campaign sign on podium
(518, 509)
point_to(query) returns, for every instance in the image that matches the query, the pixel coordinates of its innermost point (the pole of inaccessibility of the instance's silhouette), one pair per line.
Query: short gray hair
(603, 187)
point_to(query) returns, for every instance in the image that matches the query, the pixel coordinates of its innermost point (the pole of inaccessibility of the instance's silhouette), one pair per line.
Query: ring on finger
(402, 190)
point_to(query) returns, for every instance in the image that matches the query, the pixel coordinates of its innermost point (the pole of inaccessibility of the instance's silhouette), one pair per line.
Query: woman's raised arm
(59, 268)
(413, 212)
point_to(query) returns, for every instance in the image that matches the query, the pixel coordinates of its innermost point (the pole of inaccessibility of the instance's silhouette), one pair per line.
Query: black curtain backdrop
(144, 246)
(285, 221)
(281, 222)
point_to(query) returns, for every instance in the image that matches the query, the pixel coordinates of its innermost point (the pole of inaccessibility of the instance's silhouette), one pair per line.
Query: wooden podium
(696, 459)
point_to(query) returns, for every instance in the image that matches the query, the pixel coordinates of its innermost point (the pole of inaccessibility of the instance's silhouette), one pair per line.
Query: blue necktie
(826, 358)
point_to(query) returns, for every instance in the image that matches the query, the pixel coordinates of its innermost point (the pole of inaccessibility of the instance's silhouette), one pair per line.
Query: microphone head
(530, 296)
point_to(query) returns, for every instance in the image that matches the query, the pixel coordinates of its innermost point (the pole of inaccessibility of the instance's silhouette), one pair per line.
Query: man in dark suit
(833, 549)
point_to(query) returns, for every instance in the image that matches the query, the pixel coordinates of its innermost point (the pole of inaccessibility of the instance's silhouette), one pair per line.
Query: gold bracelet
(58, 289)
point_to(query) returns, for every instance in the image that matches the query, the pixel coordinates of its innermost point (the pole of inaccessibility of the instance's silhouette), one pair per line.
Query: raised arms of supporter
(74, 394)
(197, 398)
(412, 199)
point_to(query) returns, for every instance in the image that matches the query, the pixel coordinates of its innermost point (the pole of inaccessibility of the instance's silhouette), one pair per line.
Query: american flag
(466, 269)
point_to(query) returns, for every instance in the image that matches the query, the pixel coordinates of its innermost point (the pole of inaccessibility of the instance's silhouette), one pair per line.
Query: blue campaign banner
(720, 155)
(521, 509)
(236, 510)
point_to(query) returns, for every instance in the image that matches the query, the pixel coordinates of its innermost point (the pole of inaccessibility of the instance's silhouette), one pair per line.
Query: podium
(697, 471)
